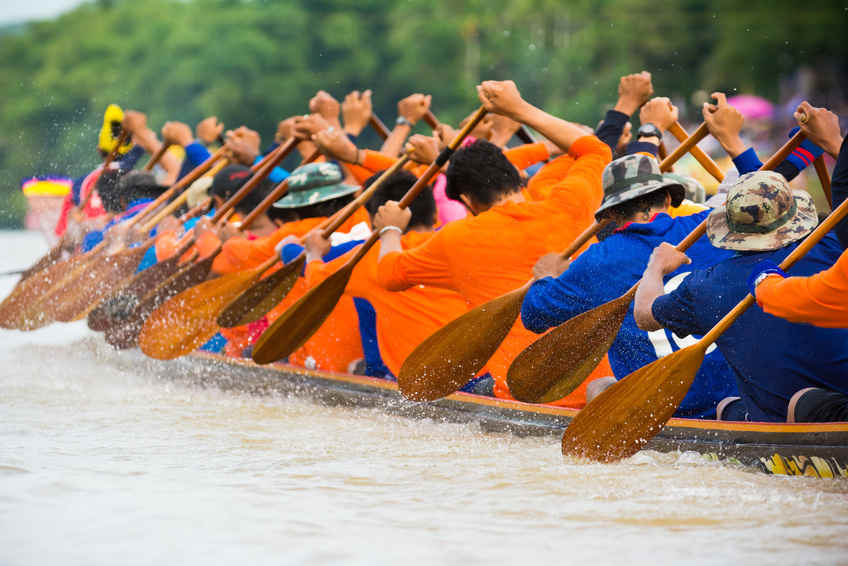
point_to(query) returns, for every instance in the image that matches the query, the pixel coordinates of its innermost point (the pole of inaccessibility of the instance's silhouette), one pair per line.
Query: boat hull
(807, 449)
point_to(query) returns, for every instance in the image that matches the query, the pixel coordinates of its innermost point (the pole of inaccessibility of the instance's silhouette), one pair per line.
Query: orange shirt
(337, 342)
(240, 253)
(521, 157)
(820, 300)
(404, 319)
(488, 255)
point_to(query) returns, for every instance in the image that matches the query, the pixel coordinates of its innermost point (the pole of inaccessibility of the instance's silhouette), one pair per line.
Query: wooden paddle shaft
(824, 178)
(353, 206)
(279, 154)
(191, 177)
(431, 120)
(712, 168)
(268, 157)
(170, 208)
(685, 146)
(422, 181)
(378, 126)
(154, 159)
(276, 194)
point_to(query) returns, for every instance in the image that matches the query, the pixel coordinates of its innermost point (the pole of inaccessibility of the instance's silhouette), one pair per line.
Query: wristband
(803, 155)
(403, 121)
(390, 227)
(762, 270)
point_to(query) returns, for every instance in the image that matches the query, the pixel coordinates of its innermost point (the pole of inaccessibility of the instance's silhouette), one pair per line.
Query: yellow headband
(107, 139)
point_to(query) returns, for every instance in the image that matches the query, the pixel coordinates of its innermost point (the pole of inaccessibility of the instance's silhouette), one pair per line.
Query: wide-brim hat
(761, 213)
(315, 183)
(633, 176)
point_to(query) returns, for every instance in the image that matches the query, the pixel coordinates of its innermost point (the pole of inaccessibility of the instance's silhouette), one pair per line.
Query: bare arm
(664, 259)
(502, 97)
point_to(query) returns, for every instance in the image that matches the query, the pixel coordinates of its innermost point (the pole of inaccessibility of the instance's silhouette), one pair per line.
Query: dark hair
(644, 203)
(393, 188)
(117, 189)
(254, 197)
(482, 172)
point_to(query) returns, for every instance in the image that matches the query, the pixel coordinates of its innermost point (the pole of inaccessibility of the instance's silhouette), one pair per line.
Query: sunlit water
(104, 462)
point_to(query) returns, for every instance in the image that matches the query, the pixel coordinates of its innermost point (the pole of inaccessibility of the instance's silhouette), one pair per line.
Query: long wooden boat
(805, 449)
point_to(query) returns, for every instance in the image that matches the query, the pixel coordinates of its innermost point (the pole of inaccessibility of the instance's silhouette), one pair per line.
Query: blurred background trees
(256, 62)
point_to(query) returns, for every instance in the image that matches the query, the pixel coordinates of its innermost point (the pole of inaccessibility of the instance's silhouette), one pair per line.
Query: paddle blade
(302, 319)
(118, 306)
(97, 282)
(188, 320)
(263, 296)
(557, 363)
(454, 354)
(622, 419)
(124, 333)
(22, 307)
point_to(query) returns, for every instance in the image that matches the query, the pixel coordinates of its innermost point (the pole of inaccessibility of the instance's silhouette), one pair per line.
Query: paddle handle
(347, 211)
(276, 194)
(784, 152)
(662, 152)
(266, 158)
(279, 154)
(431, 120)
(685, 146)
(824, 178)
(196, 211)
(191, 177)
(378, 126)
(706, 162)
(584, 237)
(154, 159)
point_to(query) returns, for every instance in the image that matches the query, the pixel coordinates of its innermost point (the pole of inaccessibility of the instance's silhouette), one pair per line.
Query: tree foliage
(256, 62)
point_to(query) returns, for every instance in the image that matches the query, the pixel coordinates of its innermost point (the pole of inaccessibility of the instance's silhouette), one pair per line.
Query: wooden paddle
(267, 293)
(455, 353)
(619, 421)
(79, 295)
(824, 178)
(55, 253)
(295, 326)
(188, 319)
(712, 168)
(555, 364)
(154, 159)
(20, 307)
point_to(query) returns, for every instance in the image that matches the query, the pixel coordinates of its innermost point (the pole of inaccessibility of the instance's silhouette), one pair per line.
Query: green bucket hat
(314, 183)
(631, 177)
(762, 213)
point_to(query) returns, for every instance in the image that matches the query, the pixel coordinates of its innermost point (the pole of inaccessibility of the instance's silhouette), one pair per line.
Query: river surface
(104, 462)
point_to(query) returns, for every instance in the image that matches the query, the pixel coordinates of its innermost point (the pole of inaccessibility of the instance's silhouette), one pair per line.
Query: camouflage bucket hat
(314, 183)
(761, 214)
(693, 190)
(633, 176)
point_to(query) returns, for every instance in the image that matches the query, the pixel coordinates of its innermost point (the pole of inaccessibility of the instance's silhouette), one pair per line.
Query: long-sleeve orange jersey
(240, 253)
(488, 255)
(405, 318)
(521, 157)
(820, 299)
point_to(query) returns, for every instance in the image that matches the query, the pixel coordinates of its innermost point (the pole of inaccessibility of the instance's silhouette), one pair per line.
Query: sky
(14, 11)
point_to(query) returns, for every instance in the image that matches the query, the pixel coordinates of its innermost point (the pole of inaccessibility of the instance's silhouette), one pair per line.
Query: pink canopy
(752, 107)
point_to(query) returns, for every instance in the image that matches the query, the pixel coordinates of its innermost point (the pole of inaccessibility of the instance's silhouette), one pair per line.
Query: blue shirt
(94, 237)
(606, 271)
(772, 358)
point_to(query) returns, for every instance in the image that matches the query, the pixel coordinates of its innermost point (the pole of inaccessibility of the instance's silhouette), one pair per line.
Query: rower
(493, 251)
